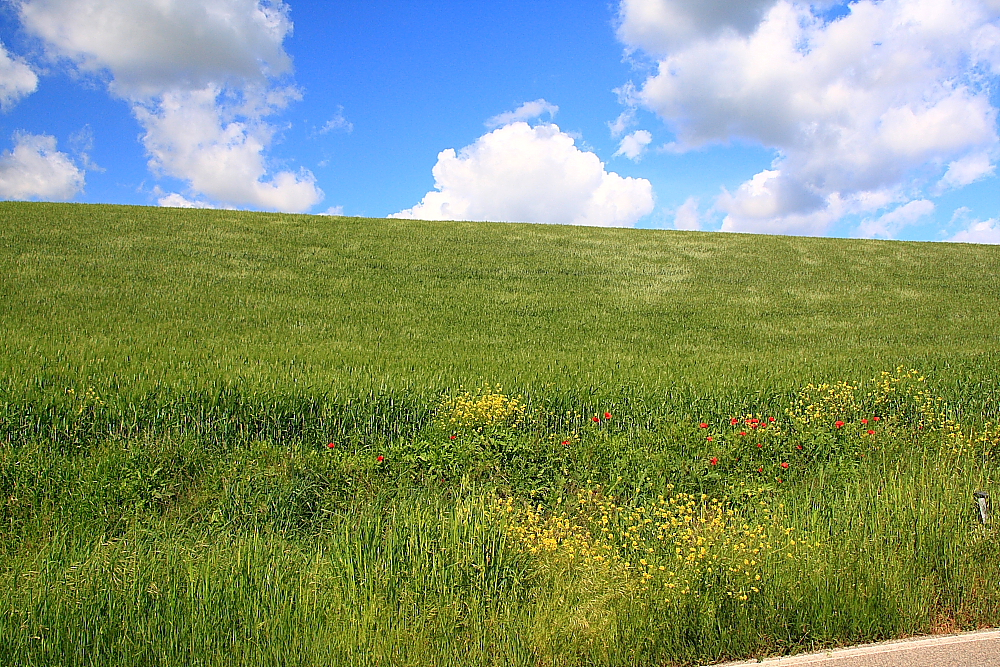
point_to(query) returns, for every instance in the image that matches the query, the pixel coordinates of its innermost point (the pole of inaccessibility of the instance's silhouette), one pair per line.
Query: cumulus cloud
(966, 170)
(634, 145)
(150, 46)
(857, 107)
(175, 200)
(660, 27)
(527, 111)
(193, 136)
(889, 224)
(979, 231)
(686, 217)
(201, 78)
(17, 79)
(34, 169)
(531, 174)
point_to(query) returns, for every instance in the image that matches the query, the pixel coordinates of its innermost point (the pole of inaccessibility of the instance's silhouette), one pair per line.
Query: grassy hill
(245, 438)
(196, 296)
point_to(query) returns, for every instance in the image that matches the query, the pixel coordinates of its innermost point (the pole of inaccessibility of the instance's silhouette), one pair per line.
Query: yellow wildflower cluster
(825, 403)
(905, 391)
(88, 400)
(486, 409)
(686, 544)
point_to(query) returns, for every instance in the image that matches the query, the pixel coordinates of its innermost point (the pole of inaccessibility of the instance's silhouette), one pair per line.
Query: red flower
(754, 425)
(779, 480)
(332, 445)
(760, 469)
(607, 415)
(875, 418)
(714, 460)
(565, 442)
(770, 419)
(703, 425)
(838, 424)
(709, 438)
(798, 446)
(453, 436)
(784, 464)
(380, 458)
(759, 445)
(734, 421)
(596, 419)
(743, 432)
(864, 421)
(871, 432)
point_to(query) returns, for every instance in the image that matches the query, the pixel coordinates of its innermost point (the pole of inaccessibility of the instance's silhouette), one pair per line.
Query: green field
(170, 383)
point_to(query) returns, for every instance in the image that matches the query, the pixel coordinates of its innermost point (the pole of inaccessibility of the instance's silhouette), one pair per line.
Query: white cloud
(192, 135)
(16, 79)
(662, 26)
(967, 170)
(527, 111)
(979, 231)
(338, 122)
(686, 217)
(154, 45)
(335, 211)
(855, 107)
(531, 174)
(889, 224)
(634, 145)
(36, 170)
(175, 200)
(200, 75)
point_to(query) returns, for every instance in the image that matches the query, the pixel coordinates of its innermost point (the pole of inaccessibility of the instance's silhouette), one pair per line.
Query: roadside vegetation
(233, 438)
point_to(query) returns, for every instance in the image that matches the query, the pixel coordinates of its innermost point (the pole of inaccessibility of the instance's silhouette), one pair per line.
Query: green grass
(169, 382)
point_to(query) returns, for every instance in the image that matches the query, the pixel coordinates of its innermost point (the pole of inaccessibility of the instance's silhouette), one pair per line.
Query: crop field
(245, 438)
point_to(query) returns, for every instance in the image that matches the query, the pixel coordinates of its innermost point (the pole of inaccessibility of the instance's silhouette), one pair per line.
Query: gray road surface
(970, 649)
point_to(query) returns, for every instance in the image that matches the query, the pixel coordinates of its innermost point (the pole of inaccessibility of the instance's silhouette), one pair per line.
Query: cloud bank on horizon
(530, 174)
(872, 109)
(873, 112)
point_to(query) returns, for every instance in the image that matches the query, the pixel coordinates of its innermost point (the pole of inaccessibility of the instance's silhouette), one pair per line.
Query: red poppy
(734, 421)
(871, 432)
(760, 469)
(759, 445)
(784, 464)
(838, 424)
(754, 425)
(876, 418)
(770, 419)
(864, 421)
(453, 437)
(743, 432)
(709, 438)
(779, 480)
(380, 458)
(596, 419)
(565, 442)
(798, 446)
(703, 425)
(607, 415)
(332, 445)
(713, 460)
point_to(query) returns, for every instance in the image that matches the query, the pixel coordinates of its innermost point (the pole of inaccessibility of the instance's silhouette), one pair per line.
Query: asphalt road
(970, 649)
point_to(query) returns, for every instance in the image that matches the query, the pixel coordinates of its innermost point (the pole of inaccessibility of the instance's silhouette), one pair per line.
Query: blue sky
(868, 119)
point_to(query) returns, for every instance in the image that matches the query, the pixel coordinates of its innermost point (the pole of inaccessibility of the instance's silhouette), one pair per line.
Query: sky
(866, 119)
